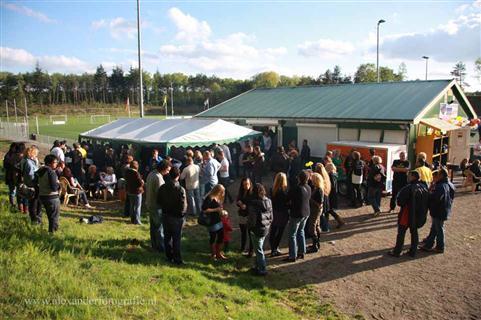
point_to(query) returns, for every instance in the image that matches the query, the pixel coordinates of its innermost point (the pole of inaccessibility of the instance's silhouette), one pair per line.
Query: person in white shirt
(267, 143)
(191, 176)
(108, 181)
(227, 154)
(224, 178)
(477, 150)
(58, 150)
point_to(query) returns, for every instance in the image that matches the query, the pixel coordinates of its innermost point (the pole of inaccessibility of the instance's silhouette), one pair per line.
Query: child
(227, 226)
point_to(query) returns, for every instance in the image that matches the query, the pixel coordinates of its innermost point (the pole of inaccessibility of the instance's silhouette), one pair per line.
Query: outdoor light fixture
(377, 55)
(426, 58)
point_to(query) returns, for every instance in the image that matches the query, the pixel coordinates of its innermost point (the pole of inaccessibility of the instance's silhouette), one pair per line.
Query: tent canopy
(172, 132)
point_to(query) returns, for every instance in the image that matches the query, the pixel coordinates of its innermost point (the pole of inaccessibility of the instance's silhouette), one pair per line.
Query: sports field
(70, 129)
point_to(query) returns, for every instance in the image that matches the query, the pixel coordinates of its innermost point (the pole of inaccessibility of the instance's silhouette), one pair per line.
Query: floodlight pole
(426, 58)
(141, 89)
(377, 50)
(172, 98)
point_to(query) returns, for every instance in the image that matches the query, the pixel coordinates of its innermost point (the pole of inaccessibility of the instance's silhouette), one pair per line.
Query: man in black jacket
(299, 196)
(413, 200)
(440, 204)
(48, 189)
(172, 200)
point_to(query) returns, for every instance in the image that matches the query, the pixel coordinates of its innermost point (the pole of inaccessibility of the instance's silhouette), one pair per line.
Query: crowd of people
(196, 181)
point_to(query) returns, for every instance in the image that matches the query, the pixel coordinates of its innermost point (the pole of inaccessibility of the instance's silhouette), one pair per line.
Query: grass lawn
(102, 262)
(72, 128)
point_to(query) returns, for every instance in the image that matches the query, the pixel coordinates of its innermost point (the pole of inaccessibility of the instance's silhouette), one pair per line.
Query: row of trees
(41, 88)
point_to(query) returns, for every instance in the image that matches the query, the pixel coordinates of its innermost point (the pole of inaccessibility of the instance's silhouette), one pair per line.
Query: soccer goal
(58, 119)
(99, 118)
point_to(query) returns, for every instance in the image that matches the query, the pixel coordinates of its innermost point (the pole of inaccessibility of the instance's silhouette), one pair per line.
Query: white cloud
(20, 58)
(29, 12)
(458, 39)
(119, 27)
(189, 28)
(234, 54)
(10, 57)
(325, 48)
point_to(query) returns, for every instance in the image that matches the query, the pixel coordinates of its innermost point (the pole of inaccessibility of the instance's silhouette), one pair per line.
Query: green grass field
(72, 128)
(43, 276)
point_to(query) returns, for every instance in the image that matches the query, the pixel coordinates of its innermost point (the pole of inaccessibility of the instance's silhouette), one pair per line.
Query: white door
(318, 136)
(458, 145)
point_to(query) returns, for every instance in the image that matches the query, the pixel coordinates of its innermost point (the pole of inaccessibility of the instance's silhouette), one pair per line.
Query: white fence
(18, 131)
(14, 130)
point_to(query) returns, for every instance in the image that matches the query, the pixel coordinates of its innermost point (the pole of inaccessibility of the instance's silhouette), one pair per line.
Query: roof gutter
(317, 120)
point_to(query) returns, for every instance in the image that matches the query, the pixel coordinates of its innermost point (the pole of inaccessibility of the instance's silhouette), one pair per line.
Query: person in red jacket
(227, 227)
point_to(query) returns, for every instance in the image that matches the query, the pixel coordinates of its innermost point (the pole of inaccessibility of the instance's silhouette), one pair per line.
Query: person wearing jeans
(440, 205)
(173, 202)
(413, 200)
(297, 238)
(49, 187)
(155, 179)
(209, 171)
(259, 220)
(28, 166)
(436, 235)
(135, 187)
(375, 183)
(300, 211)
(191, 176)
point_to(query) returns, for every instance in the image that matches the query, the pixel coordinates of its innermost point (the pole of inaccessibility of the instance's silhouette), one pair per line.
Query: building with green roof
(387, 112)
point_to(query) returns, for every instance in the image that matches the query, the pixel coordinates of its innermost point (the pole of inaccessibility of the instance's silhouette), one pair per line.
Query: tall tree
(477, 68)
(366, 73)
(459, 72)
(336, 74)
(269, 79)
(117, 83)
(402, 72)
(101, 83)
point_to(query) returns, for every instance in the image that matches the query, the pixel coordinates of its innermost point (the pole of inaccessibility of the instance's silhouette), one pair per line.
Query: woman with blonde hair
(326, 188)
(326, 183)
(280, 208)
(213, 207)
(332, 171)
(316, 205)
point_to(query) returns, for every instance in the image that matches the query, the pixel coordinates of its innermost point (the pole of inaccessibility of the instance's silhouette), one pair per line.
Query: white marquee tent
(170, 132)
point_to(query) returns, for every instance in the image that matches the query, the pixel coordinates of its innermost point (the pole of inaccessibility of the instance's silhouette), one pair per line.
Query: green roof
(361, 101)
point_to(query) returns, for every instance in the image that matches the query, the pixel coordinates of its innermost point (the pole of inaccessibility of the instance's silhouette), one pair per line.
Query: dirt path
(355, 274)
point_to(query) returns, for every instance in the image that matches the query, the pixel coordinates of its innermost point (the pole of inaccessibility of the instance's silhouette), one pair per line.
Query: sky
(239, 39)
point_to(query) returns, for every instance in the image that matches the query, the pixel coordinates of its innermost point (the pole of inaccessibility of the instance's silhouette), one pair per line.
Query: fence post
(36, 122)
(6, 108)
(15, 108)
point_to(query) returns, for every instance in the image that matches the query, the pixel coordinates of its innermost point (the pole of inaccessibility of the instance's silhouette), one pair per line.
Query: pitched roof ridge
(353, 84)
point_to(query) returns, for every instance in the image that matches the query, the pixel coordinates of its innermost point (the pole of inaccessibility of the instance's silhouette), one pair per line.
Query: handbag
(26, 192)
(355, 179)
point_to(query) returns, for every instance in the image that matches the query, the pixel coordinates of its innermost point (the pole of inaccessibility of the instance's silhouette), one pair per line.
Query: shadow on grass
(234, 272)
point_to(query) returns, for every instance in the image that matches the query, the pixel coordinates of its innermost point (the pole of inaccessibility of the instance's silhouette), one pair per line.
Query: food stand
(387, 152)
